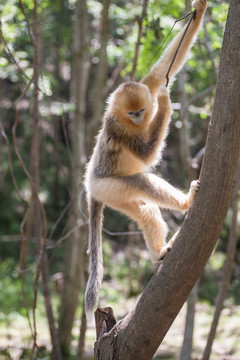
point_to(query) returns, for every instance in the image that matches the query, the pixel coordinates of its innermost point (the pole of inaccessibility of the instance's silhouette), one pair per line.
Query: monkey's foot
(167, 247)
(164, 251)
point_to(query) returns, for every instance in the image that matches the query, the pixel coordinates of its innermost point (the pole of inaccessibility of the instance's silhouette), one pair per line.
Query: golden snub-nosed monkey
(130, 142)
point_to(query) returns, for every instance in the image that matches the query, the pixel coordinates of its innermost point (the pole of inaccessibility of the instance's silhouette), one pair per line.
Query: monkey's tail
(95, 252)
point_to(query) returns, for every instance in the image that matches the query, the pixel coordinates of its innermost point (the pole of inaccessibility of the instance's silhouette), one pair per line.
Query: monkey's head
(131, 100)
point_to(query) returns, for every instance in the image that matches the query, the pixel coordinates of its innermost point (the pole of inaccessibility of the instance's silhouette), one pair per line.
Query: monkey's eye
(131, 113)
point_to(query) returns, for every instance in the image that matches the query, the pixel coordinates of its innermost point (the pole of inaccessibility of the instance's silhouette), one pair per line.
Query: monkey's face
(133, 102)
(136, 117)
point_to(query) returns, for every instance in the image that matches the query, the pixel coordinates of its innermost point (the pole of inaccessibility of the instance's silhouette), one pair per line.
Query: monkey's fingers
(199, 5)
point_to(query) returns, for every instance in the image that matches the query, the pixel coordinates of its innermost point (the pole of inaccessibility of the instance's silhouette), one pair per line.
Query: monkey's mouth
(137, 117)
(137, 120)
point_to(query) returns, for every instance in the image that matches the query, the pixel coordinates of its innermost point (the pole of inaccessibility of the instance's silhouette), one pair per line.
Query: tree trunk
(227, 269)
(186, 350)
(138, 43)
(139, 334)
(81, 340)
(99, 83)
(39, 225)
(36, 206)
(77, 244)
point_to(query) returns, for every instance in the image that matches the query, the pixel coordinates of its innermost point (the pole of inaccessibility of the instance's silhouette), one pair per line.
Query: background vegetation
(50, 114)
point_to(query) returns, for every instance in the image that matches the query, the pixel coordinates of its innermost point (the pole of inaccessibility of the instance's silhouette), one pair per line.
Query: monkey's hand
(163, 91)
(200, 6)
(164, 102)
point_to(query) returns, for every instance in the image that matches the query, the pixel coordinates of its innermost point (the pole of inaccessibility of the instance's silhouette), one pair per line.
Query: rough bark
(227, 269)
(140, 333)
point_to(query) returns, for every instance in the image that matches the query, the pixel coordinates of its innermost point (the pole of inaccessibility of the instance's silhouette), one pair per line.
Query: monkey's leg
(150, 221)
(153, 188)
(170, 197)
(142, 187)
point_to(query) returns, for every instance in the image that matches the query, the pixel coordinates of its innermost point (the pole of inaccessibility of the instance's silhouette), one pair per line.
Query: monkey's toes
(195, 185)
(164, 252)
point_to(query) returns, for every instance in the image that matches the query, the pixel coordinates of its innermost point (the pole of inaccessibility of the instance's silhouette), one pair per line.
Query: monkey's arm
(159, 127)
(157, 75)
(148, 148)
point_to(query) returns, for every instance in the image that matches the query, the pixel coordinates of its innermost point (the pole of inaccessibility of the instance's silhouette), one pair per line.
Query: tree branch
(138, 43)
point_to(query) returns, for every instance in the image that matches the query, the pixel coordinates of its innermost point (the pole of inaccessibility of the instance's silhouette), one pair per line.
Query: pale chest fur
(128, 163)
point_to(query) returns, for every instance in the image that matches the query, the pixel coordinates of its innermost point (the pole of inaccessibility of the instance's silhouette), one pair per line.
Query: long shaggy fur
(95, 252)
